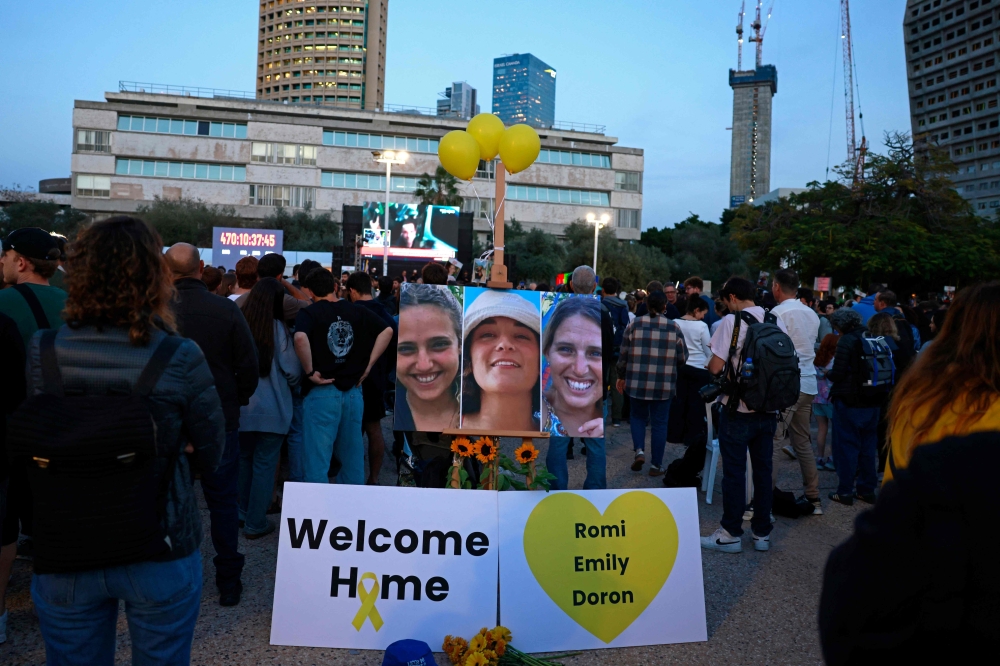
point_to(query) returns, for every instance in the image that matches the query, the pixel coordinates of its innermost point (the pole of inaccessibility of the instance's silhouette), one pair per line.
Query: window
(284, 196)
(627, 181)
(94, 141)
(93, 186)
(283, 153)
(558, 195)
(179, 126)
(364, 181)
(596, 160)
(626, 218)
(379, 141)
(162, 169)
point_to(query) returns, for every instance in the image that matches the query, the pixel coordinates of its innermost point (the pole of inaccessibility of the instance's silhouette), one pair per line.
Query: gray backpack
(768, 374)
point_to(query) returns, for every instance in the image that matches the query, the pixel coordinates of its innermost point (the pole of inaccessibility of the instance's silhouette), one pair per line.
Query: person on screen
(428, 358)
(406, 234)
(572, 348)
(501, 378)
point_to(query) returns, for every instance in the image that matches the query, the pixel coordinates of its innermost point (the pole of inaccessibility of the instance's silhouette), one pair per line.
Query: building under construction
(750, 171)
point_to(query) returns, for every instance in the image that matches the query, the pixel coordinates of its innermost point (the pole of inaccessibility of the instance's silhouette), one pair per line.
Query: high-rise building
(315, 53)
(750, 169)
(458, 101)
(524, 90)
(951, 62)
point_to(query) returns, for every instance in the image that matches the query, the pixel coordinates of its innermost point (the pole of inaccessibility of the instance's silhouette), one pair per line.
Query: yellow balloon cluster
(483, 139)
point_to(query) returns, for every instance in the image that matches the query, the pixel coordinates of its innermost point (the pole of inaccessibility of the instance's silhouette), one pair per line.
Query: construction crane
(855, 152)
(758, 29)
(739, 37)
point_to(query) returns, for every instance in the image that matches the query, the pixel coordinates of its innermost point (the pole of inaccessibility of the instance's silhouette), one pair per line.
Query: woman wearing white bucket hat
(501, 386)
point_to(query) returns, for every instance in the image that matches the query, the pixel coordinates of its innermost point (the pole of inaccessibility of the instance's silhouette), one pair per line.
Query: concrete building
(750, 169)
(309, 51)
(951, 59)
(458, 101)
(524, 90)
(255, 155)
(778, 193)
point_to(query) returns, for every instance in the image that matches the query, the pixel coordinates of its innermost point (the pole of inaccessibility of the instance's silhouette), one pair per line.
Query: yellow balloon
(486, 129)
(519, 147)
(459, 154)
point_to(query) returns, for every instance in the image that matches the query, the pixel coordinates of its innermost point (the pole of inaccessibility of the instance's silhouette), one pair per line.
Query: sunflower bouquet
(490, 647)
(499, 471)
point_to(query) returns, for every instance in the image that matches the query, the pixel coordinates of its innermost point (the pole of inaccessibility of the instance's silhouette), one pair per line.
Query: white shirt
(698, 341)
(723, 338)
(233, 297)
(803, 327)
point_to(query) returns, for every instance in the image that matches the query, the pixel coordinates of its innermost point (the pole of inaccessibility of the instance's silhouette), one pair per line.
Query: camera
(710, 392)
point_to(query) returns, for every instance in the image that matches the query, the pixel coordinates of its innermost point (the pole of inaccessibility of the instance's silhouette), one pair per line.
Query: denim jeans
(855, 456)
(259, 453)
(296, 463)
(656, 412)
(222, 495)
(78, 612)
(738, 434)
(597, 467)
(332, 426)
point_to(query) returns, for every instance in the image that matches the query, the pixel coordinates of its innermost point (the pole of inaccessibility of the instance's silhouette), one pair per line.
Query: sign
(230, 244)
(364, 566)
(601, 568)
(821, 284)
(738, 200)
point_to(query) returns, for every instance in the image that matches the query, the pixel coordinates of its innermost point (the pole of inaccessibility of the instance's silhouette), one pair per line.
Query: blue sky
(655, 72)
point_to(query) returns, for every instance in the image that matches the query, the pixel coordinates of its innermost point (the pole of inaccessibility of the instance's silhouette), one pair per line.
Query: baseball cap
(408, 652)
(33, 243)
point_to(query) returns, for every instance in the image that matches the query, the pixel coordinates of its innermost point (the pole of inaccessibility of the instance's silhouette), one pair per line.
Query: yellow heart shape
(569, 546)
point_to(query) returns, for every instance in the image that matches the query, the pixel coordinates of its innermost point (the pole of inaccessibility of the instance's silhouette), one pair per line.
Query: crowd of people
(182, 371)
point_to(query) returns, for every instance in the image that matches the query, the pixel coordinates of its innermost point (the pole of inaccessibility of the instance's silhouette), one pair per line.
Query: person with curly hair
(118, 314)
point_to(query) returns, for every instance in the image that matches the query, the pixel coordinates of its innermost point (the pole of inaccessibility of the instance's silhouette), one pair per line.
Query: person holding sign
(501, 386)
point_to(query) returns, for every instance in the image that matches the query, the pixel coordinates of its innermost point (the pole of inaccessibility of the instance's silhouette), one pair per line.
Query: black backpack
(877, 369)
(620, 321)
(768, 374)
(91, 464)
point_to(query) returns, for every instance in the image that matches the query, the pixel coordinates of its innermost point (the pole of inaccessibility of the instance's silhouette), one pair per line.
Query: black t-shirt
(341, 336)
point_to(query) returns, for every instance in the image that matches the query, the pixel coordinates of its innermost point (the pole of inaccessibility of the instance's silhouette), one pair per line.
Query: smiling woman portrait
(428, 358)
(501, 386)
(573, 369)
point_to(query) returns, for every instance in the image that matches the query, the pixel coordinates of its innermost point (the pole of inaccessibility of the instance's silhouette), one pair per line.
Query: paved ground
(761, 607)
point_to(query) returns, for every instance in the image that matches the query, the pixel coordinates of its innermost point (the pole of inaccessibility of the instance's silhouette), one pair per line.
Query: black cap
(33, 243)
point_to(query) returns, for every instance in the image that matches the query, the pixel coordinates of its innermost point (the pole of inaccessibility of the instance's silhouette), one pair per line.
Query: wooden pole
(498, 277)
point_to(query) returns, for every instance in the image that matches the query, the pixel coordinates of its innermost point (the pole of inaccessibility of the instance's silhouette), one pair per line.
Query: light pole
(598, 223)
(388, 158)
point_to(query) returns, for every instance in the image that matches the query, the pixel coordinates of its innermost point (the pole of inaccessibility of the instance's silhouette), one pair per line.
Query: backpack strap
(158, 362)
(770, 318)
(41, 320)
(51, 376)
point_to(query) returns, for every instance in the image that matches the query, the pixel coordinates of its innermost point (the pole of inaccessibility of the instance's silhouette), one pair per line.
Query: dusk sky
(654, 72)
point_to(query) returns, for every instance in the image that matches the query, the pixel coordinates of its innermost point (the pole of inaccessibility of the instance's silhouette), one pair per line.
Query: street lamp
(388, 158)
(598, 223)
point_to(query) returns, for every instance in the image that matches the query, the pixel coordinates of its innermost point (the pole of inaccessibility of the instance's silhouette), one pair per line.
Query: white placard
(604, 568)
(412, 527)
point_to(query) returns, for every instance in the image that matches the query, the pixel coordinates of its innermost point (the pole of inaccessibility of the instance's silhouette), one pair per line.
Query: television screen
(229, 245)
(414, 229)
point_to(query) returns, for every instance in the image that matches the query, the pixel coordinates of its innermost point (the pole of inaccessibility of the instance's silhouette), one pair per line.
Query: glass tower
(524, 90)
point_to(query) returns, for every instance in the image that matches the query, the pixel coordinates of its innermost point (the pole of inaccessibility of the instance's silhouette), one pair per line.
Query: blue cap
(408, 652)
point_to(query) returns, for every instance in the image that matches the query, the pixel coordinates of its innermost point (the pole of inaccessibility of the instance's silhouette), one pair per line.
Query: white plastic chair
(712, 463)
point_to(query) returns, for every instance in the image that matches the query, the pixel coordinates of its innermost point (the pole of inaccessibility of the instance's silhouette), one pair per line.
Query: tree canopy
(702, 248)
(441, 189)
(904, 225)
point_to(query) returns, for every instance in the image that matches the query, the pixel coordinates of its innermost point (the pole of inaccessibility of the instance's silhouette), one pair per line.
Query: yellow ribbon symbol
(368, 598)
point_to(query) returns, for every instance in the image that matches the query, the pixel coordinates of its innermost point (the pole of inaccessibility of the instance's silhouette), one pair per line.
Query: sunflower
(501, 647)
(485, 450)
(501, 632)
(462, 447)
(478, 643)
(526, 453)
(476, 659)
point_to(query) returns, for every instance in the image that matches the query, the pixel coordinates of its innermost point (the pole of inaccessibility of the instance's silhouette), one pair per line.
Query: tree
(539, 254)
(42, 214)
(305, 230)
(187, 220)
(701, 248)
(441, 189)
(904, 225)
(633, 264)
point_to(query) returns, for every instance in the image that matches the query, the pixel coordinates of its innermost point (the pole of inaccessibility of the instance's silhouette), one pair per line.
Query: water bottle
(747, 370)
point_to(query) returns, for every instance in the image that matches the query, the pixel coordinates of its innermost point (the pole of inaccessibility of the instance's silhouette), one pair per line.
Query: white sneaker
(3, 627)
(761, 542)
(722, 540)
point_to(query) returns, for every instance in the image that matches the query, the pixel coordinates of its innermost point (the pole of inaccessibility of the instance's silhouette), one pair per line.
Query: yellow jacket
(903, 430)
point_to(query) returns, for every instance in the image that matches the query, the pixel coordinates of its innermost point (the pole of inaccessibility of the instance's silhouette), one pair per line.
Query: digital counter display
(229, 245)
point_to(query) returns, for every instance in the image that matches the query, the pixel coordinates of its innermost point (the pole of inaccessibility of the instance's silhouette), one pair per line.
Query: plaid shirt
(652, 352)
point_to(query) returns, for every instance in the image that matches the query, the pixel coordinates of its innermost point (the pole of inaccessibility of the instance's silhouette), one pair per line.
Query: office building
(331, 54)
(255, 155)
(458, 101)
(750, 168)
(524, 90)
(951, 61)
